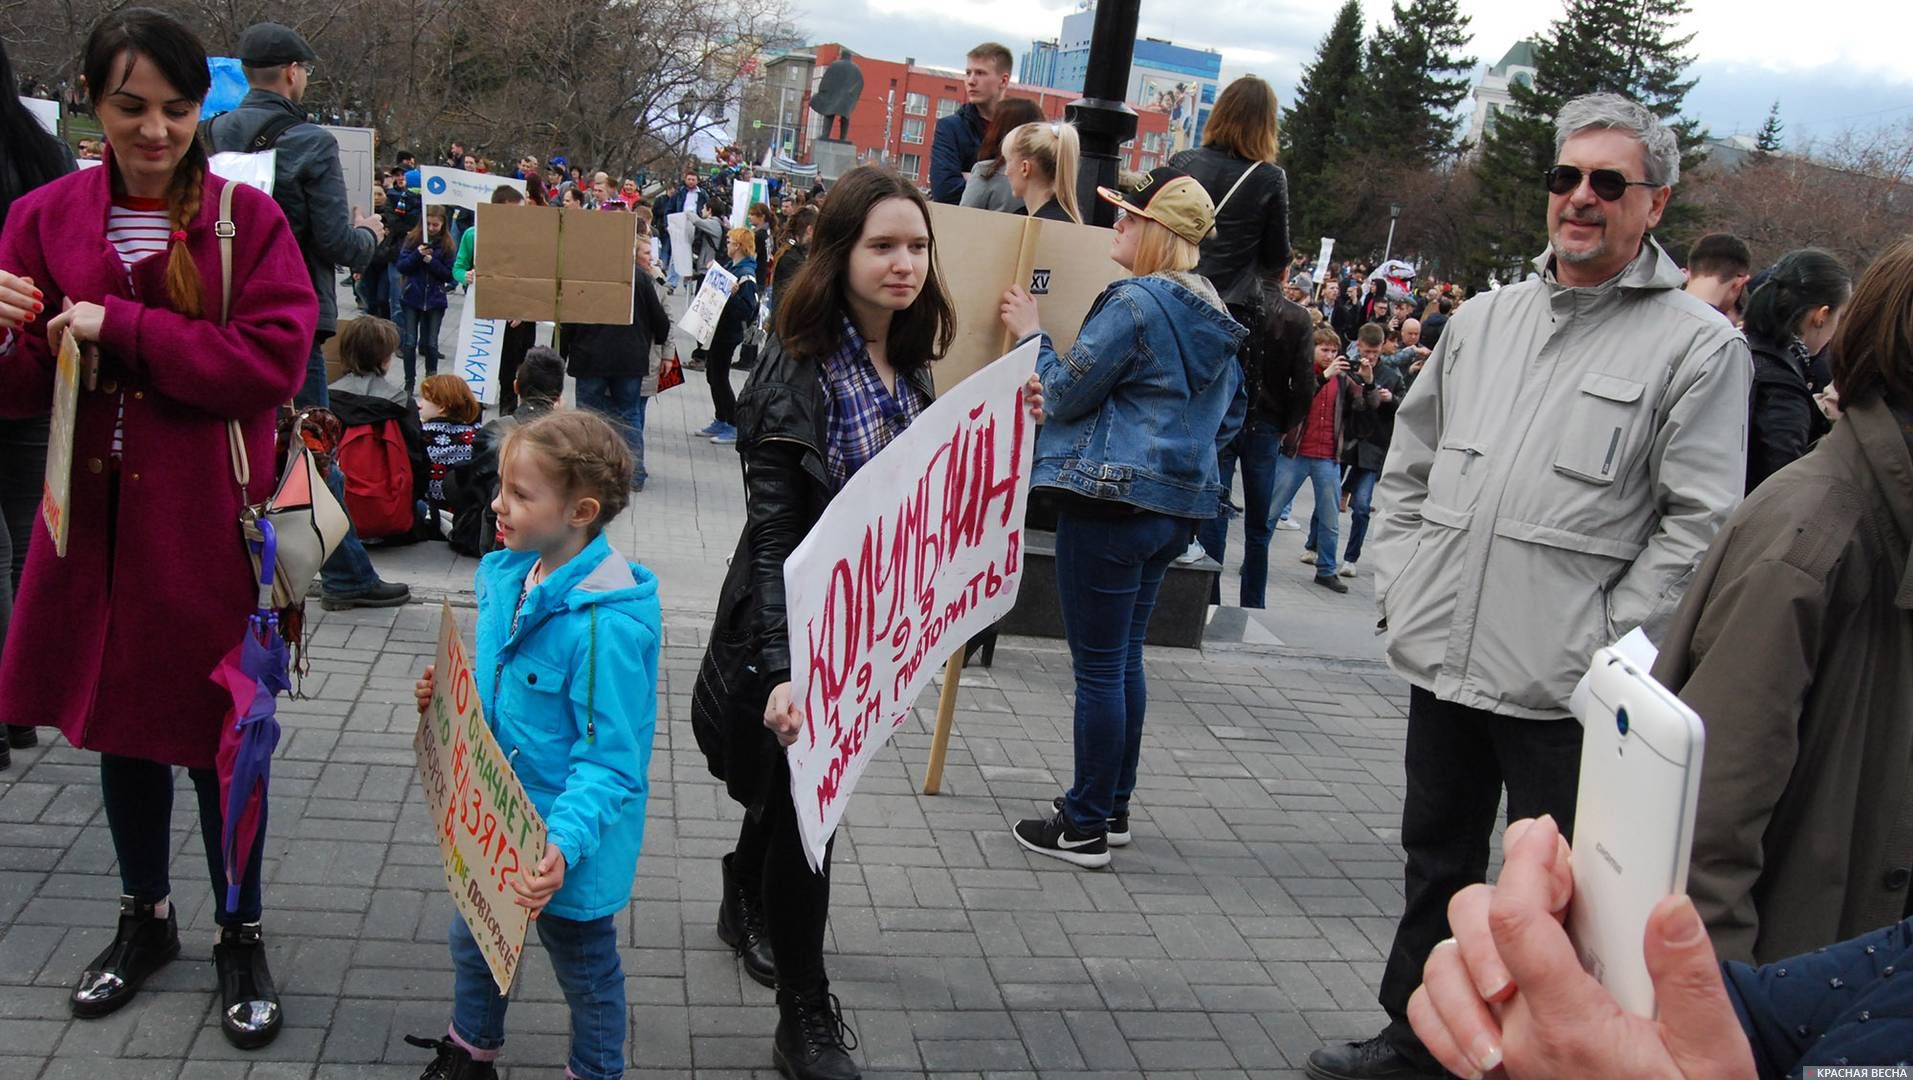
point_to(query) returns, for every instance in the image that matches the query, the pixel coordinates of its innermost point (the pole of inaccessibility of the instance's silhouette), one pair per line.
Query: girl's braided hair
(584, 452)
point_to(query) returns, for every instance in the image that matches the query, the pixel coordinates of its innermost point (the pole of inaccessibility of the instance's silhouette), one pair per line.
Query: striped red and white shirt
(138, 228)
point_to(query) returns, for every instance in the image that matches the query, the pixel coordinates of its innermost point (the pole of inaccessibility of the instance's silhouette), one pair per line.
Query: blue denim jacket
(1138, 406)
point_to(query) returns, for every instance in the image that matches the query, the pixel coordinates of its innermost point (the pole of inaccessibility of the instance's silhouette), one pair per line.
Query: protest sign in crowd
(1719, 459)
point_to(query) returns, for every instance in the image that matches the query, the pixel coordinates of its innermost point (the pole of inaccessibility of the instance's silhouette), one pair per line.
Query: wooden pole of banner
(946, 719)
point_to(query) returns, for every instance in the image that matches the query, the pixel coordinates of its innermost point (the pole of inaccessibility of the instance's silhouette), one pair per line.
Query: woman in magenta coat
(115, 642)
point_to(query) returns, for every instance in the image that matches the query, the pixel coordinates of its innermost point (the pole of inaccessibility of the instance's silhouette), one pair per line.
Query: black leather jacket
(1251, 243)
(1783, 419)
(782, 425)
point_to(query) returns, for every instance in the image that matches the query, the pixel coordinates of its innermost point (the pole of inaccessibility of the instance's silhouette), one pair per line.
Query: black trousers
(517, 342)
(769, 860)
(23, 450)
(717, 369)
(1458, 759)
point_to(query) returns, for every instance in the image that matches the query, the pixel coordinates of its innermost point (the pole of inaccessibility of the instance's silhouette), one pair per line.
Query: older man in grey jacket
(1558, 470)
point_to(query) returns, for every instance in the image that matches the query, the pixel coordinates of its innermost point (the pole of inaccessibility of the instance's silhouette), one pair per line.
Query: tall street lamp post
(1394, 215)
(1102, 120)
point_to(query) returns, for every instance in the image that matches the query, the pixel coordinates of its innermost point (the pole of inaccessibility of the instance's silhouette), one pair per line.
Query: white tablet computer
(1633, 822)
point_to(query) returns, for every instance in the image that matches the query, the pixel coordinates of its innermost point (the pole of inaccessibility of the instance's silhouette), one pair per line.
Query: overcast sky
(1828, 74)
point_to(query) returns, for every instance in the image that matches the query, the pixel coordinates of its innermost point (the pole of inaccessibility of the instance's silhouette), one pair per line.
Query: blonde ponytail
(1053, 147)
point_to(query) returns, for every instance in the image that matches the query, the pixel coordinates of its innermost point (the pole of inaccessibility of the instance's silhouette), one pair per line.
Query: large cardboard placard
(918, 552)
(447, 186)
(488, 832)
(981, 253)
(551, 265)
(56, 497)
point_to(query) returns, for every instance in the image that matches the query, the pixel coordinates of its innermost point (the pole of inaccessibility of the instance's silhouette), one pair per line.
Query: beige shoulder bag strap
(225, 230)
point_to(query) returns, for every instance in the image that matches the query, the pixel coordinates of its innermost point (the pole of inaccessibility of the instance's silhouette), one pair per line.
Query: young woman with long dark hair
(1791, 316)
(115, 641)
(848, 370)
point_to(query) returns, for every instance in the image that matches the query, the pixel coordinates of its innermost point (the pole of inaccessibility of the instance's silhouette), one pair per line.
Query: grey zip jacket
(1557, 472)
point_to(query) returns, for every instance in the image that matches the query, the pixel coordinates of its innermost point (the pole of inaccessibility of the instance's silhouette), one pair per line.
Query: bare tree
(618, 83)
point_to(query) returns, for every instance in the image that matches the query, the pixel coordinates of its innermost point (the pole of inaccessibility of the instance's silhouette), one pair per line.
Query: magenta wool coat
(114, 644)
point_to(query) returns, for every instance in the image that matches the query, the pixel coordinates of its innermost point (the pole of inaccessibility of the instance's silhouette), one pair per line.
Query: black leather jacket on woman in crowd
(1251, 241)
(1783, 419)
(782, 426)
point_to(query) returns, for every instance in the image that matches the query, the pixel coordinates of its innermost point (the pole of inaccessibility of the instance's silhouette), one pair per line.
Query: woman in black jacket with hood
(1791, 315)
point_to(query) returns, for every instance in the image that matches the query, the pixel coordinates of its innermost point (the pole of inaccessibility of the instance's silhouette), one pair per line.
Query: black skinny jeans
(770, 862)
(139, 813)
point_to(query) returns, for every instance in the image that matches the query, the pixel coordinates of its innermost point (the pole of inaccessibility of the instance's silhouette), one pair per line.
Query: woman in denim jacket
(1137, 409)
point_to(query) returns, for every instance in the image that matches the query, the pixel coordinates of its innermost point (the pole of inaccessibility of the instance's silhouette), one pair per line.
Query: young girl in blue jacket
(567, 664)
(425, 272)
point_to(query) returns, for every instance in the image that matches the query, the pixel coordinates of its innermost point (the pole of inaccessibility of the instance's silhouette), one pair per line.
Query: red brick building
(911, 99)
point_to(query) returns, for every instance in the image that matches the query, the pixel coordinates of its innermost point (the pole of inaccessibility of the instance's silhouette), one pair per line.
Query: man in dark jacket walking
(308, 182)
(986, 81)
(309, 185)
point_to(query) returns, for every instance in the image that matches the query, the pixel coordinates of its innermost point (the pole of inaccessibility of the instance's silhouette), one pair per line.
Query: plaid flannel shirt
(863, 415)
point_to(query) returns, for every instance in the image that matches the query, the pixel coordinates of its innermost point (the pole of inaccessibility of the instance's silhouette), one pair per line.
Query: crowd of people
(1721, 458)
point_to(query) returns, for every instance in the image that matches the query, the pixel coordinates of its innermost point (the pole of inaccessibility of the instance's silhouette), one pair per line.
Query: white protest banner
(253, 170)
(700, 319)
(921, 549)
(740, 203)
(456, 187)
(1321, 259)
(678, 225)
(56, 497)
(480, 813)
(46, 112)
(744, 193)
(479, 340)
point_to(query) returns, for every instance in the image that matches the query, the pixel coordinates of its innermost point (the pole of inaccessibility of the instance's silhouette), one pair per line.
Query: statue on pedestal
(837, 93)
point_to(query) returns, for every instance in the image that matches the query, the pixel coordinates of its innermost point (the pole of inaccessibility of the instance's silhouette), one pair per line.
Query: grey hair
(1611, 112)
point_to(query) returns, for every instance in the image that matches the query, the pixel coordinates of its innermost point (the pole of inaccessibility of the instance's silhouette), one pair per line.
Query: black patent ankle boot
(249, 1012)
(740, 923)
(813, 1042)
(143, 945)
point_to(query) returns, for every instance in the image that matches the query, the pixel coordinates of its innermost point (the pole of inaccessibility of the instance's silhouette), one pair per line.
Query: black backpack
(266, 139)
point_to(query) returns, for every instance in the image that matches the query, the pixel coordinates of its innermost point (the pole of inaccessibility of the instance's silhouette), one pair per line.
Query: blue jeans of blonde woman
(1108, 572)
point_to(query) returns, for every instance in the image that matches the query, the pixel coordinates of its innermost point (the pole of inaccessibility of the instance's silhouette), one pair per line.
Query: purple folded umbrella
(254, 673)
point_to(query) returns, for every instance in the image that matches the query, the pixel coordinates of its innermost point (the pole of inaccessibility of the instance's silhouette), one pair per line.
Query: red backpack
(378, 479)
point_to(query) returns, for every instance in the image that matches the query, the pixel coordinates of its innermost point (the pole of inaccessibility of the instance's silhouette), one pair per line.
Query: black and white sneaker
(1054, 837)
(1118, 835)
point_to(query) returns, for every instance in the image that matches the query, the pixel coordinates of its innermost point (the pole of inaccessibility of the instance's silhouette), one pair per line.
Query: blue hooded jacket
(572, 697)
(1138, 407)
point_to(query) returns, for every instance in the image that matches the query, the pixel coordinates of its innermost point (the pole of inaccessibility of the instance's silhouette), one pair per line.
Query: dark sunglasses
(1608, 184)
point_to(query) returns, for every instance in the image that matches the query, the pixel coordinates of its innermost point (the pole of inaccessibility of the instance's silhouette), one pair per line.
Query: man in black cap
(309, 185)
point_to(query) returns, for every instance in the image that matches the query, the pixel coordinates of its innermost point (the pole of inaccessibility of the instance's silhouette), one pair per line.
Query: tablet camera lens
(1620, 720)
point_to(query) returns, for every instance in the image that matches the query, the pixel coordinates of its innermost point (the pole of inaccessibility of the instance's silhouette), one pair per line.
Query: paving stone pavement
(1245, 926)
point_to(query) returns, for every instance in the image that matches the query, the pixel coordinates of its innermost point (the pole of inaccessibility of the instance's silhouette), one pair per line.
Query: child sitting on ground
(568, 643)
(449, 415)
(382, 449)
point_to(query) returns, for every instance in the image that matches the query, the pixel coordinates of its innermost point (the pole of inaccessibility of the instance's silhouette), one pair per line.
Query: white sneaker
(1287, 525)
(1193, 554)
(1309, 557)
(1347, 570)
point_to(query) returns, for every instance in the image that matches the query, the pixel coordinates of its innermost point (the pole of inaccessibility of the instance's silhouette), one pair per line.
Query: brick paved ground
(1245, 925)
